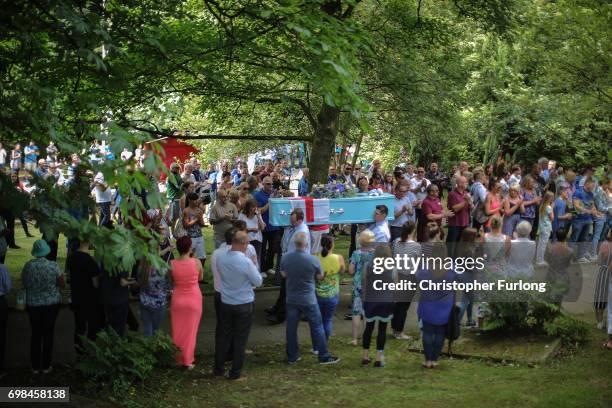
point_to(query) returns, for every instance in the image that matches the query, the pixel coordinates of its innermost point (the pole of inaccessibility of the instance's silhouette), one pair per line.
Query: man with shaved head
(238, 276)
(300, 269)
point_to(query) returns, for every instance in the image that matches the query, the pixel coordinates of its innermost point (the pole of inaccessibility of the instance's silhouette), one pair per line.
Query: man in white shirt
(103, 196)
(138, 153)
(419, 184)
(16, 158)
(515, 178)
(402, 209)
(126, 154)
(2, 157)
(238, 276)
(52, 152)
(187, 174)
(409, 174)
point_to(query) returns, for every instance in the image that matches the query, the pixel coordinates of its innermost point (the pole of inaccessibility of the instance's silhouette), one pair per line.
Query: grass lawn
(580, 380)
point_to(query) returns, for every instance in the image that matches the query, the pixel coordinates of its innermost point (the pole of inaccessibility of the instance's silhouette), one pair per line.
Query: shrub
(569, 329)
(119, 361)
(535, 317)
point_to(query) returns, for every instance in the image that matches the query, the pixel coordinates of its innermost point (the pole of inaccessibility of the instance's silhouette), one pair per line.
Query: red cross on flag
(315, 210)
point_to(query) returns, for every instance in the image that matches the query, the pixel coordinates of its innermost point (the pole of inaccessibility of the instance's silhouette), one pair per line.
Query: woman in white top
(495, 246)
(405, 245)
(522, 252)
(255, 224)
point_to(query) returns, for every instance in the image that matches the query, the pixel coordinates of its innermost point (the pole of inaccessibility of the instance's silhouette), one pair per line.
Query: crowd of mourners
(546, 217)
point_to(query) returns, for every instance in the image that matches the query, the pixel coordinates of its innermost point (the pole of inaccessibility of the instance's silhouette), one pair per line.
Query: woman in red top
(431, 210)
(493, 202)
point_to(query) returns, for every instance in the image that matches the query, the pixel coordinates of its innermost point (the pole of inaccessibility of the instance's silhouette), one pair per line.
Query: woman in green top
(328, 288)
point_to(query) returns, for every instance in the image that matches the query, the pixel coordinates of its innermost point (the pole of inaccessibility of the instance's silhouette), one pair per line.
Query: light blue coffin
(353, 210)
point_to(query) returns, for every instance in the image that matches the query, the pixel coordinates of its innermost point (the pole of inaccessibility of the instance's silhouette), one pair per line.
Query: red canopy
(175, 151)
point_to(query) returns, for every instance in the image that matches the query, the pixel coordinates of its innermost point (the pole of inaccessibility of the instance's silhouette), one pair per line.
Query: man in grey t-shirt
(300, 270)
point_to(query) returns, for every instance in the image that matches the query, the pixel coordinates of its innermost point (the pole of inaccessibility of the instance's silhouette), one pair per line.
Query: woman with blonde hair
(255, 225)
(244, 196)
(545, 226)
(389, 183)
(531, 200)
(377, 310)
(359, 259)
(512, 214)
(493, 202)
(233, 197)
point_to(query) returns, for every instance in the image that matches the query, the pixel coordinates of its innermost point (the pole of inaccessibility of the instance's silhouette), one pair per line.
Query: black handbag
(453, 328)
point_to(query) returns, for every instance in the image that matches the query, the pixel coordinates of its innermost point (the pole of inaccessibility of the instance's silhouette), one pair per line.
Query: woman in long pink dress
(186, 305)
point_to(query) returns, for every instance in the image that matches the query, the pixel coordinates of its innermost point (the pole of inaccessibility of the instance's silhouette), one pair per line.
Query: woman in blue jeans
(328, 288)
(154, 288)
(434, 309)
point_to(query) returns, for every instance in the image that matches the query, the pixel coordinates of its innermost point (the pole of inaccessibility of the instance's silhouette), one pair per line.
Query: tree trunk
(323, 144)
(357, 149)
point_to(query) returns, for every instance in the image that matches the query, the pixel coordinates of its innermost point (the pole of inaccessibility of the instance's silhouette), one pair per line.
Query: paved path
(18, 333)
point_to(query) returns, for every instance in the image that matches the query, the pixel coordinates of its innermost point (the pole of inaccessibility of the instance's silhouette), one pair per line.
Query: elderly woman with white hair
(522, 252)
